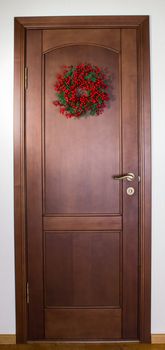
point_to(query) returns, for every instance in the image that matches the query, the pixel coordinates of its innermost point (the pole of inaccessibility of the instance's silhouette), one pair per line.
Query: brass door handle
(128, 176)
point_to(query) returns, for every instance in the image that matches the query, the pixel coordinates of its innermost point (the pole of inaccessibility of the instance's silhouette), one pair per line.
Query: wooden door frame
(141, 23)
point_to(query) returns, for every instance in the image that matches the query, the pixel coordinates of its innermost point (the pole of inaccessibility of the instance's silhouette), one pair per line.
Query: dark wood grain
(145, 187)
(19, 183)
(130, 203)
(104, 37)
(81, 157)
(83, 323)
(34, 186)
(80, 160)
(53, 223)
(140, 23)
(81, 22)
(88, 272)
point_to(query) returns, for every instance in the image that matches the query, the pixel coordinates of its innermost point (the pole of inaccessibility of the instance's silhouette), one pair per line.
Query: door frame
(141, 23)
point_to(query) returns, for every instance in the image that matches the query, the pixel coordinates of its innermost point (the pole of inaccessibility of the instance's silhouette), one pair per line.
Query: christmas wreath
(82, 90)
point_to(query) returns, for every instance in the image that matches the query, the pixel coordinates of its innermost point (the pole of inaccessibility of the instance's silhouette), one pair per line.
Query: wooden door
(82, 226)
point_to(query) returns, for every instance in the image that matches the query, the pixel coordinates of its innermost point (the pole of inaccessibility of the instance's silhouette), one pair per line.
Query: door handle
(128, 176)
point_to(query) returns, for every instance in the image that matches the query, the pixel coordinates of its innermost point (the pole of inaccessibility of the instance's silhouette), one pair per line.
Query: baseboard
(158, 338)
(7, 339)
(11, 339)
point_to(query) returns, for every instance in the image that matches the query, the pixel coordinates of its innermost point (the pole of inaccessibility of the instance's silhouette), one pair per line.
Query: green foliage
(71, 110)
(93, 109)
(61, 97)
(67, 86)
(91, 76)
(70, 73)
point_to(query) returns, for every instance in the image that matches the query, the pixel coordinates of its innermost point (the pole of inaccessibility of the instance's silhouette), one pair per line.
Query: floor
(84, 347)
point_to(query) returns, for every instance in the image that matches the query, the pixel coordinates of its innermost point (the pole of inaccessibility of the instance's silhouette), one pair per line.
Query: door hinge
(26, 78)
(27, 292)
